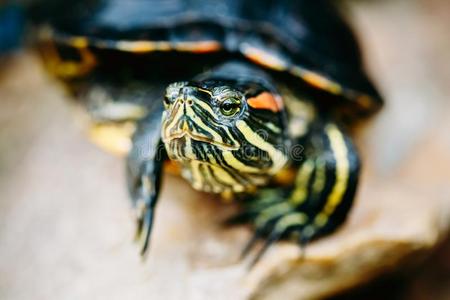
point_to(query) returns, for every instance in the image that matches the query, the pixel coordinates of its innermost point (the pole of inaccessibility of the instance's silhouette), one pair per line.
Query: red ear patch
(266, 100)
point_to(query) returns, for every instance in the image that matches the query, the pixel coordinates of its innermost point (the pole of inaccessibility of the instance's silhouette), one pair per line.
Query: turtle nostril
(190, 102)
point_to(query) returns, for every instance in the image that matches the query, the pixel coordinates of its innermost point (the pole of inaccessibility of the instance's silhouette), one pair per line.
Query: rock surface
(65, 227)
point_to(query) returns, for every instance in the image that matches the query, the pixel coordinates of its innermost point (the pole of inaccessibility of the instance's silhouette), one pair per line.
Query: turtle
(252, 100)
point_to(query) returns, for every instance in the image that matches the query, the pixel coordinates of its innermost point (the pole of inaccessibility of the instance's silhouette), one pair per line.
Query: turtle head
(228, 135)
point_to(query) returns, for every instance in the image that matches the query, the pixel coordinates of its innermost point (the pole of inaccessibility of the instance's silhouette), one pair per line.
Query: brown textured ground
(65, 230)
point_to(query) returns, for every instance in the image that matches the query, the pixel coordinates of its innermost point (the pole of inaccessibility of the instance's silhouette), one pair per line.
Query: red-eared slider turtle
(239, 94)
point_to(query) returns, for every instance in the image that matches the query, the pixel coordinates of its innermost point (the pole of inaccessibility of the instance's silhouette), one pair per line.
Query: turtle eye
(230, 107)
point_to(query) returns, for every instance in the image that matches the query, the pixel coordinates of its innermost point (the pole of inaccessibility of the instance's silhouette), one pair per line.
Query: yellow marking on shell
(198, 47)
(78, 42)
(317, 80)
(116, 111)
(263, 58)
(300, 192)
(135, 46)
(113, 137)
(150, 46)
(143, 46)
(67, 68)
(278, 158)
(340, 151)
(289, 220)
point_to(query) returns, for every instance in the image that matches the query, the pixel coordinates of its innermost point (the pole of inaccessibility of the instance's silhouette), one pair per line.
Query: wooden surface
(65, 225)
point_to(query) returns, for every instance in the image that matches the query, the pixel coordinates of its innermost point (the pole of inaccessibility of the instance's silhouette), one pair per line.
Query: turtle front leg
(144, 172)
(320, 198)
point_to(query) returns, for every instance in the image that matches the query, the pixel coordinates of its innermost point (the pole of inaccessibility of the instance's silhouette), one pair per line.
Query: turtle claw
(250, 245)
(273, 220)
(273, 238)
(144, 223)
(145, 231)
(145, 207)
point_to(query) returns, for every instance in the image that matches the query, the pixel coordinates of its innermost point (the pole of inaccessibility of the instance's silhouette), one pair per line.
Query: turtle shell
(304, 38)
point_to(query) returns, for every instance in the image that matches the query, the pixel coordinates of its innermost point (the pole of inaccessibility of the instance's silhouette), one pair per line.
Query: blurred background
(65, 225)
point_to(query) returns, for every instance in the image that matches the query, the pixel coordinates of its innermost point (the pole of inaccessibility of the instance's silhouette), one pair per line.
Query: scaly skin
(228, 130)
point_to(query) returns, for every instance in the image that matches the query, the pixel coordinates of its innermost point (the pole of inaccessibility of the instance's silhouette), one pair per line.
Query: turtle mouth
(187, 134)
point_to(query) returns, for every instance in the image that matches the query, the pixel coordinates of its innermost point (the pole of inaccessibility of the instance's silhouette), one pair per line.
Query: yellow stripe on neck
(340, 152)
(300, 193)
(277, 157)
